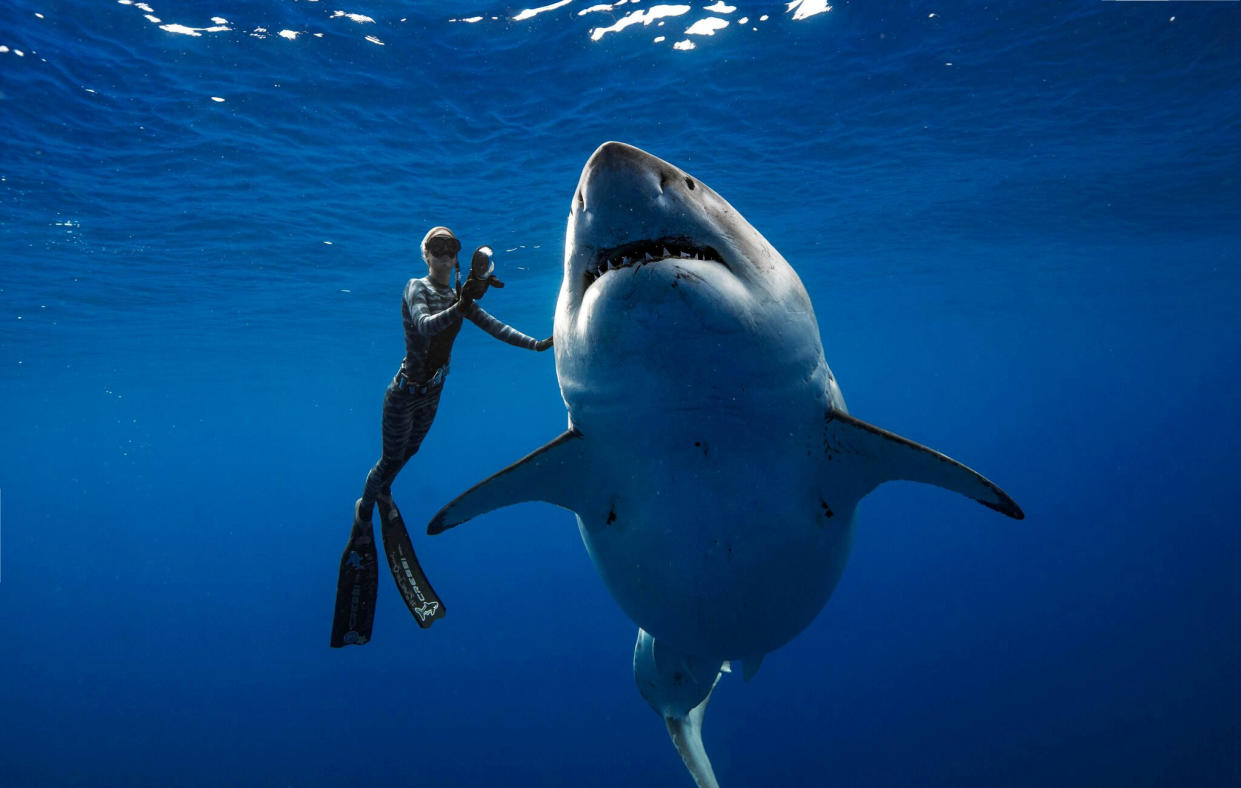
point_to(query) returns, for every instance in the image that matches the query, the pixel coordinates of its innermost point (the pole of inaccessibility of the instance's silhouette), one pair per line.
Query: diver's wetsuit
(432, 321)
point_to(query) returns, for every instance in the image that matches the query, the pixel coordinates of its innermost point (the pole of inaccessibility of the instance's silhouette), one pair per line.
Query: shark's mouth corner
(639, 253)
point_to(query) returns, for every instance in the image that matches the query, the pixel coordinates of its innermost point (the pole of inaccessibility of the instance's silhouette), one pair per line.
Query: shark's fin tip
(1006, 506)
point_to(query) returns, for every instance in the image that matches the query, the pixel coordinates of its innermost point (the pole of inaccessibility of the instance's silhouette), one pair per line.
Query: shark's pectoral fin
(888, 456)
(547, 474)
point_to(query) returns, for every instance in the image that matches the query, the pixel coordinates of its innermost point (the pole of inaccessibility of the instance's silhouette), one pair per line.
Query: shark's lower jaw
(639, 253)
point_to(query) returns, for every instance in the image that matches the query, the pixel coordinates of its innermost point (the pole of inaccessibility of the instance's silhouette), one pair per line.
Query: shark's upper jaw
(641, 252)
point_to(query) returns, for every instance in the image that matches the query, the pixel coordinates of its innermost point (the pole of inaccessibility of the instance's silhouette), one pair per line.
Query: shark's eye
(690, 183)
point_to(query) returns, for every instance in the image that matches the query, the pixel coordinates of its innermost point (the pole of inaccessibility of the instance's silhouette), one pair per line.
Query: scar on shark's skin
(678, 325)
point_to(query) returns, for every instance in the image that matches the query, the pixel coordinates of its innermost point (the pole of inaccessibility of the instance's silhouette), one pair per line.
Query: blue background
(1027, 259)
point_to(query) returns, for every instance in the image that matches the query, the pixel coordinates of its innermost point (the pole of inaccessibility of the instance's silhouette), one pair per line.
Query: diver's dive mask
(443, 246)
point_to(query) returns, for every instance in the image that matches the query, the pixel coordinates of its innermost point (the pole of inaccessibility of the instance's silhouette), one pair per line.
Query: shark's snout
(616, 171)
(619, 157)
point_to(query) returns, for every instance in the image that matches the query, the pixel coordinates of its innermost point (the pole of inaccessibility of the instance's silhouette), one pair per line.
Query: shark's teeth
(641, 252)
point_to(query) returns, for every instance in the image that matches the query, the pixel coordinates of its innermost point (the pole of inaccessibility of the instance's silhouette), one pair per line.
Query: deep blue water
(1020, 225)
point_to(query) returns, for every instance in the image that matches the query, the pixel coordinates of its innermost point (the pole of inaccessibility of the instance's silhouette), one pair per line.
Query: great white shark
(710, 459)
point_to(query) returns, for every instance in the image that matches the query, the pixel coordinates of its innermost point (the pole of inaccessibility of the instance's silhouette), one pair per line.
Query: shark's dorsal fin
(890, 457)
(547, 474)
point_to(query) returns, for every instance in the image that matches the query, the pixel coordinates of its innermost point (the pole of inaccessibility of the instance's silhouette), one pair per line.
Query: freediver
(432, 310)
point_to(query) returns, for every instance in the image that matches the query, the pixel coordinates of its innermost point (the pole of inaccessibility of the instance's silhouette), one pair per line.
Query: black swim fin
(356, 588)
(410, 581)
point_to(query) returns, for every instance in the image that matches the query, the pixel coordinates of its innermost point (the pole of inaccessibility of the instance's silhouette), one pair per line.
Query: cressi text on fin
(411, 581)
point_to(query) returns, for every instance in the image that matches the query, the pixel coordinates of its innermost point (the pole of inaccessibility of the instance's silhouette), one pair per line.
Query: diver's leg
(401, 442)
(420, 423)
(399, 419)
(411, 581)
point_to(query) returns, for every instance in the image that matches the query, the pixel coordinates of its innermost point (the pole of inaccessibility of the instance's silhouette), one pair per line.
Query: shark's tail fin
(686, 733)
(890, 457)
(678, 688)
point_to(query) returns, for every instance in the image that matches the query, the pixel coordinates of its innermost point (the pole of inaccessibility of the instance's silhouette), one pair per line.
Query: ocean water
(1020, 226)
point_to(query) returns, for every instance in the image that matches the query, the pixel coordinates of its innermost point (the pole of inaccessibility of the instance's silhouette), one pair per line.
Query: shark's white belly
(716, 538)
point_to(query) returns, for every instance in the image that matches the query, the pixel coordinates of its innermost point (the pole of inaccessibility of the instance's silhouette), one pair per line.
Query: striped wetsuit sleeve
(497, 328)
(421, 315)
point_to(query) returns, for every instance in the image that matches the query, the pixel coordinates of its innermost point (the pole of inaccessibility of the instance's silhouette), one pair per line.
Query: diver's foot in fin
(410, 580)
(356, 586)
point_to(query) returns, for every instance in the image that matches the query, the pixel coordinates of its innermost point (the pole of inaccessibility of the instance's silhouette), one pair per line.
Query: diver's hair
(433, 232)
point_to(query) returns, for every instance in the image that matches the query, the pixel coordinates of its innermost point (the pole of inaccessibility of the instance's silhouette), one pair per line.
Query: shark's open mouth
(637, 253)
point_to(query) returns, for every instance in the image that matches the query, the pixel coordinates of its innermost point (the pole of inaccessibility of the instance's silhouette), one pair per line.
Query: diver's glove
(543, 344)
(482, 275)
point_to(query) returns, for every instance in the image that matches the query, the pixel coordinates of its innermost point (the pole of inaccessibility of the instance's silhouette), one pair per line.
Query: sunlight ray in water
(643, 17)
(359, 18)
(191, 31)
(655, 15)
(804, 9)
(706, 26)
(533, 12)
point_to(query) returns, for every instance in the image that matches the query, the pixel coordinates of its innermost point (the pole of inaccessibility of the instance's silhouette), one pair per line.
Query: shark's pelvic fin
(547, 474)
(892, 457)
(750, 666)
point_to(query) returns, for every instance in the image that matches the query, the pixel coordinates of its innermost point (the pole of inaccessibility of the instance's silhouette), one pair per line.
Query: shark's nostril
(581, 201)
(690, 183)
